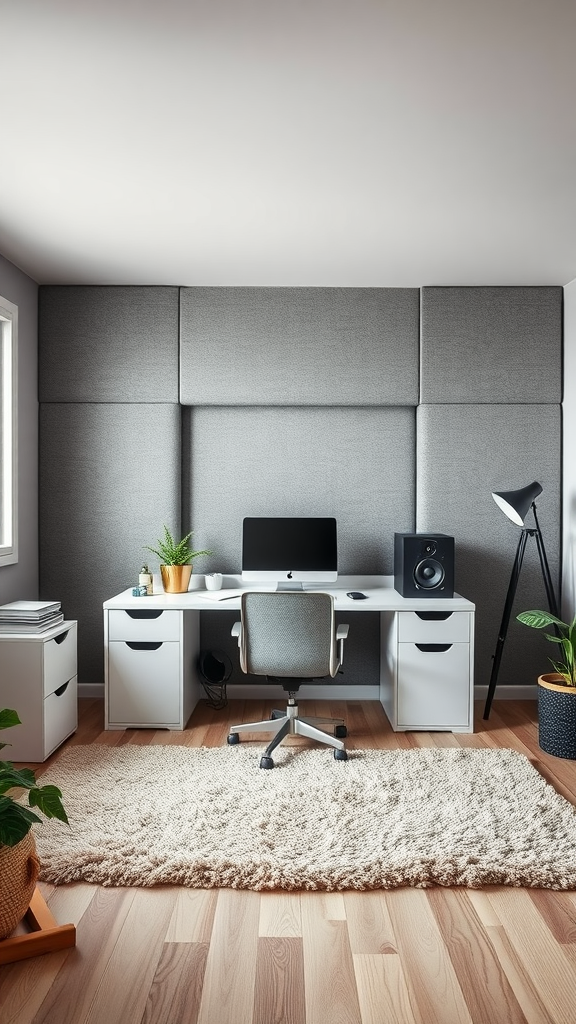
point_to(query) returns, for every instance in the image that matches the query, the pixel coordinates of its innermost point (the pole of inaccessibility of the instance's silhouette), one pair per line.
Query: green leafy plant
(171, 552)
(565, 637)
(16, 820)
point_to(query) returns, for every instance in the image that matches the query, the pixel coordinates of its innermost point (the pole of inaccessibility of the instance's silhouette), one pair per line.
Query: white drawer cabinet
(427, 670)
(150, 657)
(38, 680)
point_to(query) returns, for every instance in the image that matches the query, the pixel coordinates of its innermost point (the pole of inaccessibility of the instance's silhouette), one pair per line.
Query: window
(8, 433)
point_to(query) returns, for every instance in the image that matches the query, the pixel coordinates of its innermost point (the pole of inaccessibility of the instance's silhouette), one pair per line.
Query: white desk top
(380, 592)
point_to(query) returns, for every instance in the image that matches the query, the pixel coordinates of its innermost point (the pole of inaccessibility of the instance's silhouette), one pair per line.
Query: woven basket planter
(19, 866)
(556, 716)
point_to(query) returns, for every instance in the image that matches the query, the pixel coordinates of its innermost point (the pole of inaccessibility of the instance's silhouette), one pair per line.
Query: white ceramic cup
(213, 580)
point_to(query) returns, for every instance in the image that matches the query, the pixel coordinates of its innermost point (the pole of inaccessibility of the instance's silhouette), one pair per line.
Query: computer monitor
(289, 551)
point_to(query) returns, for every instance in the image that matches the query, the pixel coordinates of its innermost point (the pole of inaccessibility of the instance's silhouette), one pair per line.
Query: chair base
(289, 723)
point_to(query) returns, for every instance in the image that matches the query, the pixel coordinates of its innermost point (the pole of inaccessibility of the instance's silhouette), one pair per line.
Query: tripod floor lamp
(516, 505)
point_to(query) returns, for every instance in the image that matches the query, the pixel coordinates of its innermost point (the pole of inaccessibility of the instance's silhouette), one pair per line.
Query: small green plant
(16, 820)
(566, 637)
(171, 552)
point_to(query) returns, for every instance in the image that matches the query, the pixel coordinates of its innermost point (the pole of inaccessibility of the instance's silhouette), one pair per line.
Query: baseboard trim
(265, 691)
(508, 692)
(253, 691)
(91, 690)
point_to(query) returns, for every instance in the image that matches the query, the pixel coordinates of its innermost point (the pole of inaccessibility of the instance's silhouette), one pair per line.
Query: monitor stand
(289, 585)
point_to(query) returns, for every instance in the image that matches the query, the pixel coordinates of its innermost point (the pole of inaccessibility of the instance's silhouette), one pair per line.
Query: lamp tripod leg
(514, 577)
(552, 602)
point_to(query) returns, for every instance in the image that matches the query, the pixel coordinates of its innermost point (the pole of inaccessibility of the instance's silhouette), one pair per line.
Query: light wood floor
(407, 956)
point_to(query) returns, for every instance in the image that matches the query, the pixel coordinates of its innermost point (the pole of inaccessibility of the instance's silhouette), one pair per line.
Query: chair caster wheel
(266, 762)
(340, 731)
(340, 755)
(233, 738)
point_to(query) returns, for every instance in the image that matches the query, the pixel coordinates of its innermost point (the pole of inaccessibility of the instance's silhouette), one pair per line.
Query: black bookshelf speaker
(424, 564)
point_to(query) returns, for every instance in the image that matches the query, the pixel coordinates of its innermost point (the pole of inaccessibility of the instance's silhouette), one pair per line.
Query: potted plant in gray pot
(557, 689)
(176, 558)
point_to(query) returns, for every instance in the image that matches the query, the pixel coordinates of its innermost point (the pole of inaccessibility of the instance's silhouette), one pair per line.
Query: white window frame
(9, 432)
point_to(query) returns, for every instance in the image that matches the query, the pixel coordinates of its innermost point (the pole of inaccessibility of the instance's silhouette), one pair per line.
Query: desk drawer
(421, 628)
(433, 686)
(143, 624)
(144, 683)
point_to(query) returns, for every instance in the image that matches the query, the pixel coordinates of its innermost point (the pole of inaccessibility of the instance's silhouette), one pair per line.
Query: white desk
(426, 662)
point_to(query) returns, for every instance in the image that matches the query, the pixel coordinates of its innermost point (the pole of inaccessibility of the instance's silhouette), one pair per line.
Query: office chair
(291, 638)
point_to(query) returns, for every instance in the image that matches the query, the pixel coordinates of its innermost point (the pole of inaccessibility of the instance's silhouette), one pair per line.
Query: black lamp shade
(515, 504)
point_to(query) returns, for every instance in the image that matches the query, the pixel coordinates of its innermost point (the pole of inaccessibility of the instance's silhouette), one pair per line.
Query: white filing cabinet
(149, 657)
(428, 678)
(38, 680)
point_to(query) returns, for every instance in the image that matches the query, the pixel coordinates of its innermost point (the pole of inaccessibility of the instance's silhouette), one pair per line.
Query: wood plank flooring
(407, 956)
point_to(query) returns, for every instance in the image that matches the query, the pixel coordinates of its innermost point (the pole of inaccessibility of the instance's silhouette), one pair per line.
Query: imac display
(289, 551)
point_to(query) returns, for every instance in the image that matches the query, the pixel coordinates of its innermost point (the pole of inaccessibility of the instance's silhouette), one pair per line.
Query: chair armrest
(341, 635)
(236, 629)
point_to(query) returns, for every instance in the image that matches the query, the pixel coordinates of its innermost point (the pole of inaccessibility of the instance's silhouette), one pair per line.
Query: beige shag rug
(203, 817)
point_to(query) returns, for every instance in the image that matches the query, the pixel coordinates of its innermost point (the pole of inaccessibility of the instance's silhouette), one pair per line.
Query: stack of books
(30, 616)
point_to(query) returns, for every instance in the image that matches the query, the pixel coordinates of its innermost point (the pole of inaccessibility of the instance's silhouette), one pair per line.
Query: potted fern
(19, 863)
(557, 689)
(176, 561)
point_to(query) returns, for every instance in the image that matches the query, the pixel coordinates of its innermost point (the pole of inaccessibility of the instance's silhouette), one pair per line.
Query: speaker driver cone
(428, 574)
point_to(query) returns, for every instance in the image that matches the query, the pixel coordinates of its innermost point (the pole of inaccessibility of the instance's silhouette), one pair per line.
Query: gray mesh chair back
(290, 637)
(290, 634)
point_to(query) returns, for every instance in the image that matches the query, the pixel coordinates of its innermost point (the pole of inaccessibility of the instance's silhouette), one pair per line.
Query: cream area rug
(204, 817)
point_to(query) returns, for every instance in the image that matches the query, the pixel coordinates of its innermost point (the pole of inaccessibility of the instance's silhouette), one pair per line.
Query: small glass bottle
(145, 579)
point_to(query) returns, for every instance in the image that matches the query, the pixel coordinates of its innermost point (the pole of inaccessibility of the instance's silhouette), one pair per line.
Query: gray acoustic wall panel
(355, 464)
(493, 345)
(464, 452)
(299, 346)
(108, 344)
(109, 480)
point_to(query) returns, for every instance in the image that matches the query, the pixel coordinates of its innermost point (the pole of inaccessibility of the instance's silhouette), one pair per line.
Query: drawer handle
(61, 689)
(434, 616)
(61, 638)
(434, 648)
(144, 613)
(143, 645)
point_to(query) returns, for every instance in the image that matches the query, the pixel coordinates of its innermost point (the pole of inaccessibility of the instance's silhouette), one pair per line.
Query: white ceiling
(289, 142)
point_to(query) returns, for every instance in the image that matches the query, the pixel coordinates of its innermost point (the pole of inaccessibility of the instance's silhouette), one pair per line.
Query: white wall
(21, 580)
(569, 458)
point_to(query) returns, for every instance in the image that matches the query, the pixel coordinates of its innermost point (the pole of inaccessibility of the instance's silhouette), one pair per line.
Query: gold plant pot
(175, 578)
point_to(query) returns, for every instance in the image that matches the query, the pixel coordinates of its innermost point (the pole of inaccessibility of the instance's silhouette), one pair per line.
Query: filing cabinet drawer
(60, 715)
(144, 683)
(59, 655)
(428, 628)
(143, 624)
(433, 686)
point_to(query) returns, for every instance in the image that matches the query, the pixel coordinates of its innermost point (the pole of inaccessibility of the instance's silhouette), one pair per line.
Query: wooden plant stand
(45, 935)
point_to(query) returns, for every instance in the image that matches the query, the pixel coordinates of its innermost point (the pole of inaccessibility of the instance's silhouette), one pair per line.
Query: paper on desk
(218, 595)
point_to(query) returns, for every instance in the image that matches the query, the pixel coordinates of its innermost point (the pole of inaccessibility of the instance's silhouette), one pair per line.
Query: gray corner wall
(490, 420)
(21, 579)
(110, 460)
(197, 406)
